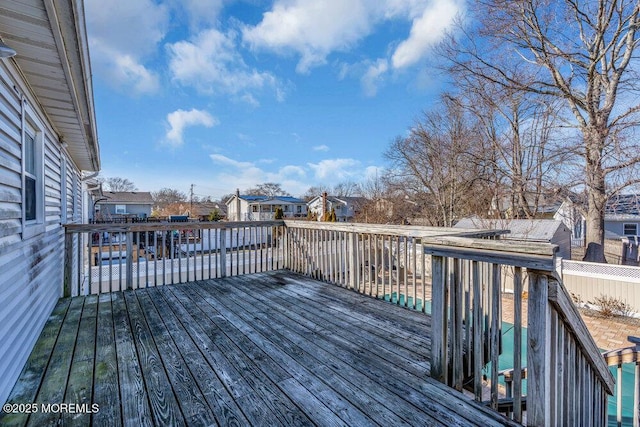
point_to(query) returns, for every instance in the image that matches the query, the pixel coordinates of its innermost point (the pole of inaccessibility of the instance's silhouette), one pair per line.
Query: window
(121, 209)
(630, 229)
(32, 175)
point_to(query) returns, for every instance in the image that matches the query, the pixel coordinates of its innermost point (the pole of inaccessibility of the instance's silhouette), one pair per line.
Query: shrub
(610, 306)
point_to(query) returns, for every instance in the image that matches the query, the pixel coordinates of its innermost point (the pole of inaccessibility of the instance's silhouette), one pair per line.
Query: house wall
(562, 238)
(31, 259)
(131, 209)
(617, 227)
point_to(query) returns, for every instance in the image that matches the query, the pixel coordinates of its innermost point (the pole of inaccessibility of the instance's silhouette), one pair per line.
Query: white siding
(31, 269)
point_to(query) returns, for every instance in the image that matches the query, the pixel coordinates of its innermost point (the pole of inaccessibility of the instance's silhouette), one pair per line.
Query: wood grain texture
(266, 349)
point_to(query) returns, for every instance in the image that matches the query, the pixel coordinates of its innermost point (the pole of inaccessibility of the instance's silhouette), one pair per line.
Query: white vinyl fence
(588, 281)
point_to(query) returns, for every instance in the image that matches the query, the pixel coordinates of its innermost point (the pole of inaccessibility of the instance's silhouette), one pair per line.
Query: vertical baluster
(478, 334)
(517, 344)
(496, 326)
(439, 319)
(456, 324)
(538, 351)
(129, 260)
(414, 267)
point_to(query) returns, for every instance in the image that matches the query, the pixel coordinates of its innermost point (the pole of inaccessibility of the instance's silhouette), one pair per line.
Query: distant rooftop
(266, 199)
(137, 197)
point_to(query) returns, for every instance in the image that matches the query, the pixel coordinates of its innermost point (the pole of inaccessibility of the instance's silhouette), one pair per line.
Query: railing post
(68, 264)
(353, 260)
(223, 252)
(129, 281)
(438, 319)
(538, 351)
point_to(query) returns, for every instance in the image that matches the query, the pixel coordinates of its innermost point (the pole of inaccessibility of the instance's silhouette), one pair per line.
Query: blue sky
(227, 94)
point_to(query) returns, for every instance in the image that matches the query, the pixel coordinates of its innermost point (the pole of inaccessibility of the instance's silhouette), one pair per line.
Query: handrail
(551, 320)
(458, 276)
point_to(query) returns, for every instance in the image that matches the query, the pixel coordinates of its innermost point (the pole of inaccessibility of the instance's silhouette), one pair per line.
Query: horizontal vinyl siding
(31, 270)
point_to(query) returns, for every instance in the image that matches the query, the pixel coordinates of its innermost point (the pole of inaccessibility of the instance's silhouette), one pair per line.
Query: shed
(532, 230)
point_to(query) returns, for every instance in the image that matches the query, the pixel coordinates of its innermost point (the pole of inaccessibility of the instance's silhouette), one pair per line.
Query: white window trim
(31, 228)
(120, 209)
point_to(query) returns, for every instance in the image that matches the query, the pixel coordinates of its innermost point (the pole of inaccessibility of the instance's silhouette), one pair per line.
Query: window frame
(32, 126)
(624, 226)
(118, 208)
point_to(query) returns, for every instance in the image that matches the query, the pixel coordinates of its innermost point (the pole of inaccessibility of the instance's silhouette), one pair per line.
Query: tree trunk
(597, 196)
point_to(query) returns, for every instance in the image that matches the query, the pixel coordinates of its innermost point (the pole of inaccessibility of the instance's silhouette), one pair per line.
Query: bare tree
(435, 167)
(167, 196)
(117, 184)
(580, 53)
(270, 189)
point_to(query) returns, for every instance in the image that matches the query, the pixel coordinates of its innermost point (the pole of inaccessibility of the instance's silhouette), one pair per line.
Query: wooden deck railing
(458, 277)
(111, 257)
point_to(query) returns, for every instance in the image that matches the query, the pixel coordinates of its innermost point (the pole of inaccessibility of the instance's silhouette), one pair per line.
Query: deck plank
(56, 376)
(163, 403)
(266, 349)
(27, 386)
(188, 395)
(80, 388)
(135, 405)
(218, 397)
(317, 391)
(106, 390)
(282, 409)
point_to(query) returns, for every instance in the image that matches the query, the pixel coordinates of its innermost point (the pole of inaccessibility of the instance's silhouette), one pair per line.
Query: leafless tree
(167, 196)
(580, 53)
(267, 189)
(436, 167)
(116, 183)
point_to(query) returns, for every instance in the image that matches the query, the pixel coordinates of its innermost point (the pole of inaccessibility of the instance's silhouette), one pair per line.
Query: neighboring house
(262, 208)
(123, 204)
(533, 230)
(204, 210)
(621, 218)
(48, 151)
(346, 208)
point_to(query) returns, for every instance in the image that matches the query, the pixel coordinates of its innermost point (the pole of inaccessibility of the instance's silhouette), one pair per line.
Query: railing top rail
(399, 230)
(165, 226)
(532, 255)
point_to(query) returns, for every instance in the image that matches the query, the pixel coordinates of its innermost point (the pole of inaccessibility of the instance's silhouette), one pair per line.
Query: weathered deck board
(265, 349)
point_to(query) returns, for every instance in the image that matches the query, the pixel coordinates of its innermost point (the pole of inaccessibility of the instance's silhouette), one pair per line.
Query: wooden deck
(263, 349)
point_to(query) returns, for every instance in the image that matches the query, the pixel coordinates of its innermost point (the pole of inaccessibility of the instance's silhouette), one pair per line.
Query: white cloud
(202, 13)
(335, 169)
(426, 30)
(179, 120)
(313, 30)
(321, 148)
(211, 63)
(373, 77)
(121, 37)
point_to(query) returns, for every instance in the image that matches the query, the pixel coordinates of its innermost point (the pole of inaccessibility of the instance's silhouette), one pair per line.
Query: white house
(345, 207)
(48, 149)
(263, 208)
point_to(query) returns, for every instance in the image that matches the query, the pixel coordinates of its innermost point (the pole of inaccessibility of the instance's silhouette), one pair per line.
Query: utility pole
(191, 200)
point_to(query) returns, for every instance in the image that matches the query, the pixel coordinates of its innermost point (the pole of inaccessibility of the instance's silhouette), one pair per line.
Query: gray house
(621, 218)
(48, 151)
(123, 204)
(533, 230)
